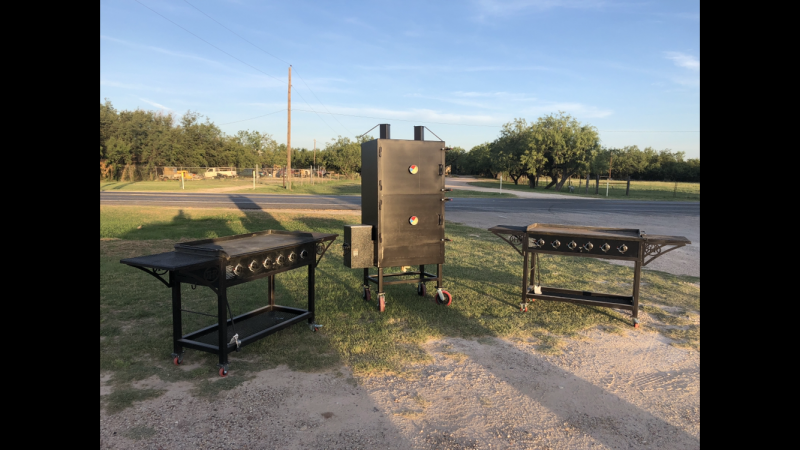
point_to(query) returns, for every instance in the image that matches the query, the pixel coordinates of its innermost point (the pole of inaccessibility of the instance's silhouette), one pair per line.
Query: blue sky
(462, 68)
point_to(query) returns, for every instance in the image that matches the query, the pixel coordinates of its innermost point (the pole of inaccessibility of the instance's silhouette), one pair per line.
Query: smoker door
(396, 159)
(402, 243)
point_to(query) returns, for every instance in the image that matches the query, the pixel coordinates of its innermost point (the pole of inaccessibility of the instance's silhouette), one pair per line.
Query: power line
(223, 51)
(257, 117)
(279, 59)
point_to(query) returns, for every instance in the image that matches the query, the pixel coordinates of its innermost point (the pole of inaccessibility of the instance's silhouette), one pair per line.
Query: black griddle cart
(224, 262)
(593, 242)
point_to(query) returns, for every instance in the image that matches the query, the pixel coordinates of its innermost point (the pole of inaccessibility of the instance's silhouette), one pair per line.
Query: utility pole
(289, 137)
(314, 164)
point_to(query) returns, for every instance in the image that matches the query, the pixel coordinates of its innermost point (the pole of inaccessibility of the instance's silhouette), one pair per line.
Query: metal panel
(407, 244)
(397, 156)
(359, 250)
(369, 183)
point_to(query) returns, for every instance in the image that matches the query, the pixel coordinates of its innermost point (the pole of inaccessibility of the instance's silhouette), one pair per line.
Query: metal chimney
(419, 133)
(385, 133)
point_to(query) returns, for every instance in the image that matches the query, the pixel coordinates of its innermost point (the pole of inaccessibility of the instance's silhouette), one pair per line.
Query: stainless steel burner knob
(267, 263)
(304, 254)
(572, 245)
(238, 270)
(605, 247)
(556, 243)
(588, 246)
(279, 260)
(253, 266)
(622, 248)
(540, 242)
(292, 257)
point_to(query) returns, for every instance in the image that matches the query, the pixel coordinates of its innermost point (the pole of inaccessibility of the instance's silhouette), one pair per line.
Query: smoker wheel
(366, 295)
(223, 372)
(447, 301)
(178, 360)
(421, 290)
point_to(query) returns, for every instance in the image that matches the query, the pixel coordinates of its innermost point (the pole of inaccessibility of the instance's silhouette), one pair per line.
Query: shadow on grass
(135, 313)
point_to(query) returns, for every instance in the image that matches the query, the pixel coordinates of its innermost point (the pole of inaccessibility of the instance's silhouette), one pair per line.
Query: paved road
(353, 203)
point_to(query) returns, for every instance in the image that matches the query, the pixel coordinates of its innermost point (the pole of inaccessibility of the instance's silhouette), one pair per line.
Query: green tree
(565, 144)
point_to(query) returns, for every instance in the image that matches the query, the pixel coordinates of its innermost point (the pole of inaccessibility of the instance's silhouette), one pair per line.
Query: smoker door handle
(441, 169)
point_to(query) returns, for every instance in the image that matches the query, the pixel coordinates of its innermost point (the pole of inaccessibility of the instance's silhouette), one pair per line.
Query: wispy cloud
(157, 105)
(510, 7)
(485, 100)
(576, 109)
(161, 50)
(683, 60)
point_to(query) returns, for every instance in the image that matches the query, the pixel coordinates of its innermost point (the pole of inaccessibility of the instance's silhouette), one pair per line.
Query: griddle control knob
(267, 262)
(588, 246)
(605, 247)
(304, 254)
(622, 248)
(572, 245)
(540, 242)
(253, 266)
(279, 260)
(238, 270)
(292, 257)
(556, 243)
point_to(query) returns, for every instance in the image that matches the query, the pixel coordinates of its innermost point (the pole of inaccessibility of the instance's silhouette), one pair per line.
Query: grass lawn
(640, 190)
(328, 187)
(135, 311)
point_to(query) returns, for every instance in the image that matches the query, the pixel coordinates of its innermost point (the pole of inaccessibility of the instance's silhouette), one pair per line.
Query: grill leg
(421, 273)
(177, 329)
(438, 276)
(366, 278)
(522, 304)
(311, 273)
(380, 280)
(222, 315)
(271, 290)
(637, 272)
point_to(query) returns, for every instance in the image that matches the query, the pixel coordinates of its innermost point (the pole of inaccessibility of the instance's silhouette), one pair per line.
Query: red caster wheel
(381, 302)
(523, 308)
(366, 295)
(447, 300)
(422, 290)
(635, 323)
(177, 361)
(223, 372)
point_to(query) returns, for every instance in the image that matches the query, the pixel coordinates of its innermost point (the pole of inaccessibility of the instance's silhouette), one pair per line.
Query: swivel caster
(635, 323)
(421, 290)
(443, 297)
(314, 327)
(523, 307)
(178, 359)
(381, 301)
(223, 372)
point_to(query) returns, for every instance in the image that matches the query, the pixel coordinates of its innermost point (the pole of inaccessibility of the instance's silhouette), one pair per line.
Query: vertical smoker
(402, 213)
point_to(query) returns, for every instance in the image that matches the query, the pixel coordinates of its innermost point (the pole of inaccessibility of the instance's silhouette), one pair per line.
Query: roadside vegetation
(640, 190)
(135, 311)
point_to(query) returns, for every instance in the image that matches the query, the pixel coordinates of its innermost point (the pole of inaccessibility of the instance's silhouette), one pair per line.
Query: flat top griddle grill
(627, 244)
(221, 263)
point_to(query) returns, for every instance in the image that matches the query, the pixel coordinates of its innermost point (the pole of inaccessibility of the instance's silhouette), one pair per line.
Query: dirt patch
(626, 390)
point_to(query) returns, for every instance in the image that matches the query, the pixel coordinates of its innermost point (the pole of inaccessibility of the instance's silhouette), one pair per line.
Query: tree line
(139, 141)
(556, 146)
(559, 147)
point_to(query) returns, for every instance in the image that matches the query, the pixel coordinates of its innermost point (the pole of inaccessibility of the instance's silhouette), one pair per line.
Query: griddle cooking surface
(251, 244)
(627, 233)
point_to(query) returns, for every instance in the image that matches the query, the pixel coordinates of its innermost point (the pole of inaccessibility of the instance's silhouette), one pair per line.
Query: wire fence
(257, 175)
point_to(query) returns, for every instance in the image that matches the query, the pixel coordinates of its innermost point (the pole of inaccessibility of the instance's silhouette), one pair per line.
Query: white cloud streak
(683, 60)
(157, 105)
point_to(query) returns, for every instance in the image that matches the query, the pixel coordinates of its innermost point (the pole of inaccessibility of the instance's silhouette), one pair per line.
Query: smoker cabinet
(402, 207)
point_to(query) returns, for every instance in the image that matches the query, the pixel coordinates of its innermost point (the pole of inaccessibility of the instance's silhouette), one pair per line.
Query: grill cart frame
(590, 242)
(229, 261)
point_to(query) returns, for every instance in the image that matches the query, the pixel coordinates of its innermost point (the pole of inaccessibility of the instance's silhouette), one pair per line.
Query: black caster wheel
(422, 290)
(366, 295)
